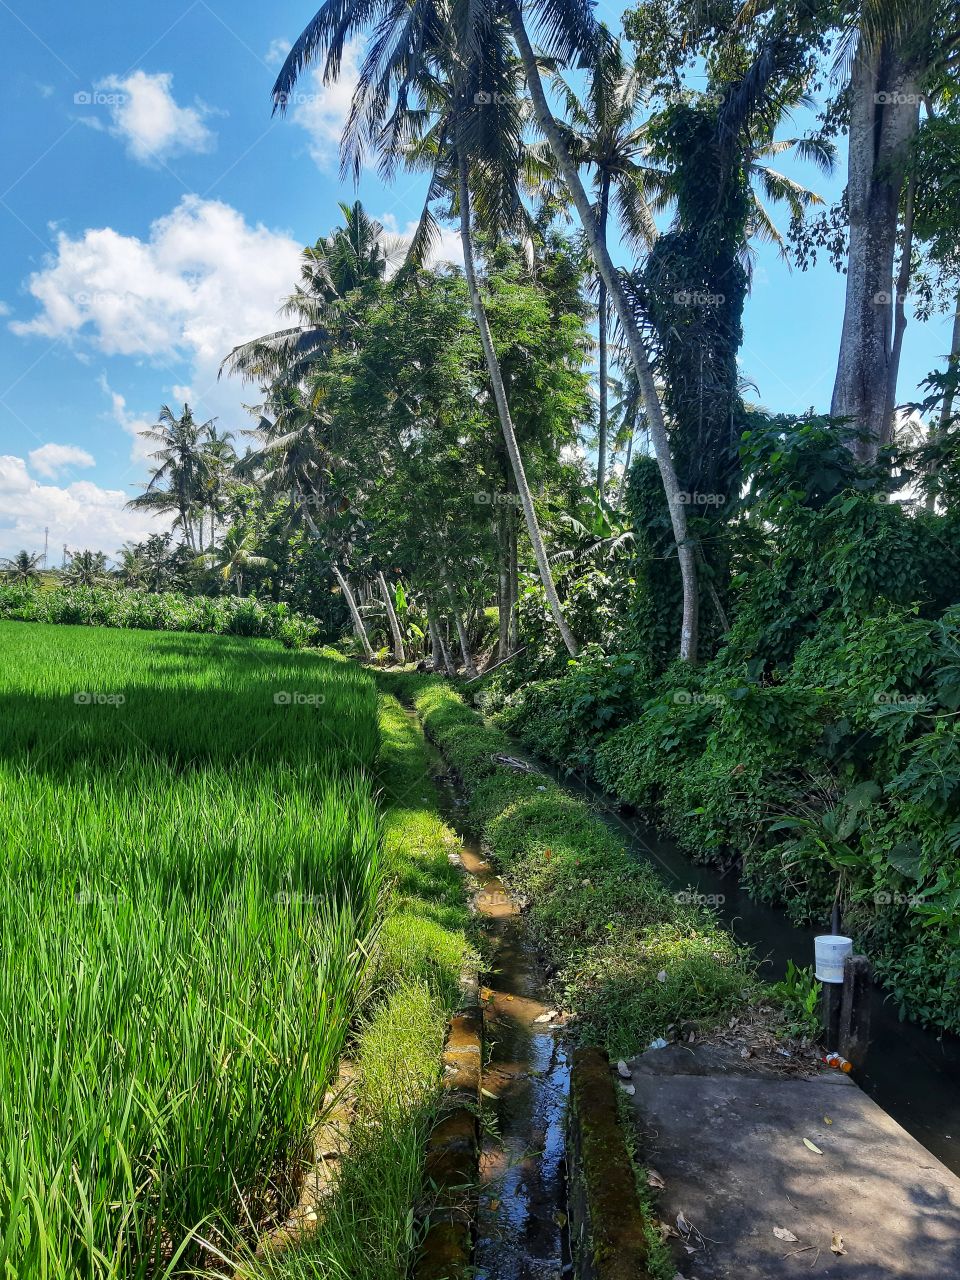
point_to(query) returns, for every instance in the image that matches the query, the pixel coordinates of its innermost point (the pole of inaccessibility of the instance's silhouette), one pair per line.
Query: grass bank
(370, 1226)
(631, 957)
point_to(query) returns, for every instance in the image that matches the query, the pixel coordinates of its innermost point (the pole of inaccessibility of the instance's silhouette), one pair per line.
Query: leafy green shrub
(159, 611)
(609, 923)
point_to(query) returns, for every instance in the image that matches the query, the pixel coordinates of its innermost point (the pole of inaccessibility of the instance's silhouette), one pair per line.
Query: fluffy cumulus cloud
(446, 247)
(276, 54)
(50, 459)
(80, 515)
(148, 118)
(322, 109)
(182, 297)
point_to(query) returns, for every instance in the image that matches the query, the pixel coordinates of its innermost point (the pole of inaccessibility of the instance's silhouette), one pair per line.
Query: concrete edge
(452, 1163)
(607, 1221)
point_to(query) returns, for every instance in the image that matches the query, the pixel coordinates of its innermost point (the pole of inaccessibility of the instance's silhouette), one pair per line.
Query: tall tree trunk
(884, 117)
(398, 649)
(900, 309)
(946, 409)
(469, 666)
(503, 409)
(436, 656)
(359, 628)
(436, 630)
(602, 350)
(608, 273)
(503, 585)
(513, 612)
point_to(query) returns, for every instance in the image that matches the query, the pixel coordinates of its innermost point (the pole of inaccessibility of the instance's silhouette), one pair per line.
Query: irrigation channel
(912, 1073)
(521, 1218)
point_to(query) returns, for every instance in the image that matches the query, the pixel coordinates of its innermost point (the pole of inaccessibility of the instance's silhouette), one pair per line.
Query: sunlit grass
(191, 853)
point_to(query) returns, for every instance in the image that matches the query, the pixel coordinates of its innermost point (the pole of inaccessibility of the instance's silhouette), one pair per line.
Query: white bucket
(830, 951)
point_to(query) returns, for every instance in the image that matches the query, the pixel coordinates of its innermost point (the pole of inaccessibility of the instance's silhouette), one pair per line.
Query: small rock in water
(623, 1069)
(628, 1088)
(659, 1043)
(547, 1017)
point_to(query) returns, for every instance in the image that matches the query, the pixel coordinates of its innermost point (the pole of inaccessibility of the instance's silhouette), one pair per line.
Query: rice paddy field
(189, 883)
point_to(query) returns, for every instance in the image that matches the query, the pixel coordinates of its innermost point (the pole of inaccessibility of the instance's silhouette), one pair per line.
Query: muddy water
(521, 1222)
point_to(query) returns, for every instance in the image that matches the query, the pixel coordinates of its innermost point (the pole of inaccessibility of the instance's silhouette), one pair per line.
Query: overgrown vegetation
(632, 958)
(113, 606)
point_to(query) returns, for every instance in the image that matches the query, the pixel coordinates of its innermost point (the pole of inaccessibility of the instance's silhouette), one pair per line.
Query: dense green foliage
(191, 864)
(819, 746)
(633, 958)
(109, 606)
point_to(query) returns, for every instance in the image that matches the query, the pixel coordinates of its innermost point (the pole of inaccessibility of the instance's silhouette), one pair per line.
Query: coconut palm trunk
(949, 398)
(503, 585)
(686, 555)
(602, 346)
(503, 409)
(440, 645)
(359, 628)
(399, 652)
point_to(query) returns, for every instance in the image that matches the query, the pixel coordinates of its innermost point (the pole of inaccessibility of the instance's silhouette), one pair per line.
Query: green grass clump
(190, 884)
(608, 923)
(370, 1227)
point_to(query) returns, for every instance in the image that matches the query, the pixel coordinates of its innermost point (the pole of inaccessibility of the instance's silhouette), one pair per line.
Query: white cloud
(50, 459)
(447, 247)
(81, 515)
(150, 121)
(140, 449)
(201, 282)
(322, 109)
(277, 53)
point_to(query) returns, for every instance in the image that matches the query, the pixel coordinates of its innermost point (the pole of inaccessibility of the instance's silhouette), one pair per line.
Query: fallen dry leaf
(811, 1146)
(655, 1180)
(666, 1231)
(783, 1234)
(494, 1206)
(827, 1120)
(836, 1244)
(683, 1225)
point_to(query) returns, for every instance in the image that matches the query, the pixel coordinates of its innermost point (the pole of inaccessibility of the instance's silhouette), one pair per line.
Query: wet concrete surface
(521, 1232)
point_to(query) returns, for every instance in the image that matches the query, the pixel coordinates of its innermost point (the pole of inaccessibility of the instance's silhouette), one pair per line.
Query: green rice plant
(191, 880)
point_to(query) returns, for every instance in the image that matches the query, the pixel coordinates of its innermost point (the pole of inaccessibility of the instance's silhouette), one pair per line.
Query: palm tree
(132, 566)
(602, 133)
(86, 569)
(180, 467)
(469, 129)
(237, 554)
(23, 569)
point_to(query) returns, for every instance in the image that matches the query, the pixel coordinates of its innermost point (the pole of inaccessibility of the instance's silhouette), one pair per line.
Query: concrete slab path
(727, 1140)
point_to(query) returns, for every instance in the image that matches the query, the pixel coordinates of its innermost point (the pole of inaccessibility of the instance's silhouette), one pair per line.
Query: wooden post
(854, 1025)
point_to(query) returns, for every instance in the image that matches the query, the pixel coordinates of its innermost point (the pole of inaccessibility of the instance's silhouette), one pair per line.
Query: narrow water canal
(913, 1074)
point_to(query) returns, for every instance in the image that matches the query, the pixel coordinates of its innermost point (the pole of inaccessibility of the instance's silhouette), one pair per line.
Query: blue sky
(152, 214)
